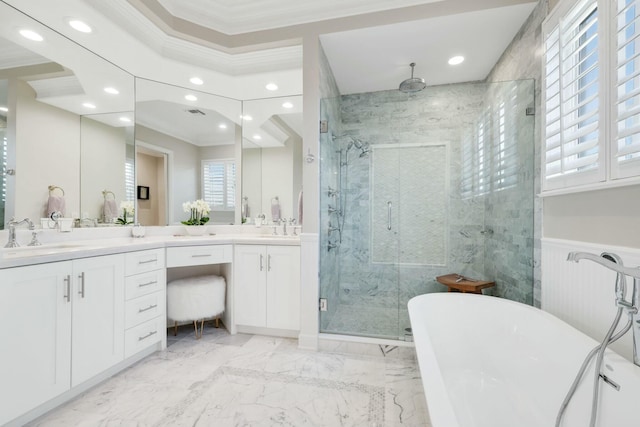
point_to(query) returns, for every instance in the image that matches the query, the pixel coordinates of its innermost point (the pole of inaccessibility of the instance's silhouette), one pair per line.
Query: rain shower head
(413, 84)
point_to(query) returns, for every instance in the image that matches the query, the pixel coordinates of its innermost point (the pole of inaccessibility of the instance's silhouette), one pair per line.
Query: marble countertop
(89, 246)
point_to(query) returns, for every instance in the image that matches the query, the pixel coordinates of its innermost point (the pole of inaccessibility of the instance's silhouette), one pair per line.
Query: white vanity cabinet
(267, 286)
(97, 295)
(145, 294)
(63, 323)
(35, 314)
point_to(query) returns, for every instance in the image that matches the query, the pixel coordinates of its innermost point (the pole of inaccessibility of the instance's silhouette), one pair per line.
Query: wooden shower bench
(458, 283)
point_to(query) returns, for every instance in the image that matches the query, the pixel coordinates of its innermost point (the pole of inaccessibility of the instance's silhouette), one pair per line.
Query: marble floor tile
(246, 380)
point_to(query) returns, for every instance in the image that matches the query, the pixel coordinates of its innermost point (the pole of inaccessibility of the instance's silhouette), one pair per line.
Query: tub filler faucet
(612, 262)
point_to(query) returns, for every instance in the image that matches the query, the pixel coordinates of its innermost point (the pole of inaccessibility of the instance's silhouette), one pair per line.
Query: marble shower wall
(509, 205)
(371, 298)
(442, 114)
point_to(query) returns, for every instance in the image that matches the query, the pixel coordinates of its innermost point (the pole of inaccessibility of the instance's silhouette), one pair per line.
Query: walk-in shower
(412, 188)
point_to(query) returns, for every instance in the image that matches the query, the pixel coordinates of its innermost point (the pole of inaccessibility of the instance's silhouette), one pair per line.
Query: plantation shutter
(573, 152)
(129, 179)
(218, 184)
(625, 147)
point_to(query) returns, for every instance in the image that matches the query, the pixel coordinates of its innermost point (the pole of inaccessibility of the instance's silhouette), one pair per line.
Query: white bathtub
(490, 362)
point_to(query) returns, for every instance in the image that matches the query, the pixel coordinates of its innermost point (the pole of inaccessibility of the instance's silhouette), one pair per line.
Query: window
(504, 149)
(473, 179)
(591, 94)
(625, 152)
(219, 184)
(573, 114)
(129, 180)
(490, 156)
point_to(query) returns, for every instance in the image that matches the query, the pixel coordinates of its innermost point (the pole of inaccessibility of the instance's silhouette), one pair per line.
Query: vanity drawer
(142, 336)
(144, 308)
(144, 283)
(199, 255)
(143, 261)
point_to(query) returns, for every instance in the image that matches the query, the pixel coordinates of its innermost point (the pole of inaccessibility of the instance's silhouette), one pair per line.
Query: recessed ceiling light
(111, 90)
(222, 125)
(88, 105)
(287, 105)
(191, 97)
(4, 109)
(257, 137)
(247, 118)
(125, 119)
(196, 80)
(271, 86)
(78, 25)
(455, 60)
(31, 35)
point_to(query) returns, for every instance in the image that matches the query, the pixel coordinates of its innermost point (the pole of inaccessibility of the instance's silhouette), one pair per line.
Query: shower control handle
(389, 216)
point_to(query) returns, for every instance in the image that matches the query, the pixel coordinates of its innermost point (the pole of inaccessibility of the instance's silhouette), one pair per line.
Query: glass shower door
(409, 220)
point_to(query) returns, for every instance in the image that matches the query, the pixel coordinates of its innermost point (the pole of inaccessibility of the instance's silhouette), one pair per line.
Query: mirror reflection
(106, 164)
(49, 84)
(187, 148)
(272, 159)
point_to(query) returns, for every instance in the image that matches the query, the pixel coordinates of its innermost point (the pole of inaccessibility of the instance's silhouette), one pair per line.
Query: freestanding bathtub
(490, 362)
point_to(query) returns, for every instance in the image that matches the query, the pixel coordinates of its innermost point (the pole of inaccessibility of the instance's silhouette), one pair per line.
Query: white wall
(103, 154)
(278, 180)
(252, 180)
(47, 153)
(609, 216)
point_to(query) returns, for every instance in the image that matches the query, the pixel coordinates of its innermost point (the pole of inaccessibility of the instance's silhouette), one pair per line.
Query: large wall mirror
(73, 128)
(62, 134)
(187, 148)
(272, 159)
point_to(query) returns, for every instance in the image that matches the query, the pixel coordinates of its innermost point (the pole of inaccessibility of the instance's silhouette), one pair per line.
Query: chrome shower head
(413, 84)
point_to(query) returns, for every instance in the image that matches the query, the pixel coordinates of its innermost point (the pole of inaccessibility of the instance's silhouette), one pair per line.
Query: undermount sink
(48, 249)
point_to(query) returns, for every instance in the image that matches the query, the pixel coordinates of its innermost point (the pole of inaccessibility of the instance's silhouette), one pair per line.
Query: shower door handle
(389, 216)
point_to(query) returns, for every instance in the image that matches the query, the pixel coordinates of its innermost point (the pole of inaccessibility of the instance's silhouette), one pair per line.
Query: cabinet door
(35, 314)
(249, 285)
(98, 315)
(283, 287)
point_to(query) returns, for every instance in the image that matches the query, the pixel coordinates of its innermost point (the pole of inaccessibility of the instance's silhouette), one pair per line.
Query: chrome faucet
(614, 262)
(12, 243)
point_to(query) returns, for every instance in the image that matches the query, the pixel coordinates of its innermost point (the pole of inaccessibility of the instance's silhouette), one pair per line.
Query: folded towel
(55, 204)
(275, 210)
(110, 211)
(300, 208)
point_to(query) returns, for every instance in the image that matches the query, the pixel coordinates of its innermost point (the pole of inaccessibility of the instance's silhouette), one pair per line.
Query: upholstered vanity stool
(195, 298)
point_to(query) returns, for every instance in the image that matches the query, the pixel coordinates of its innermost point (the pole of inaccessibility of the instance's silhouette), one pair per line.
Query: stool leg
(217, 322)
(175, 328)
(195, 325)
